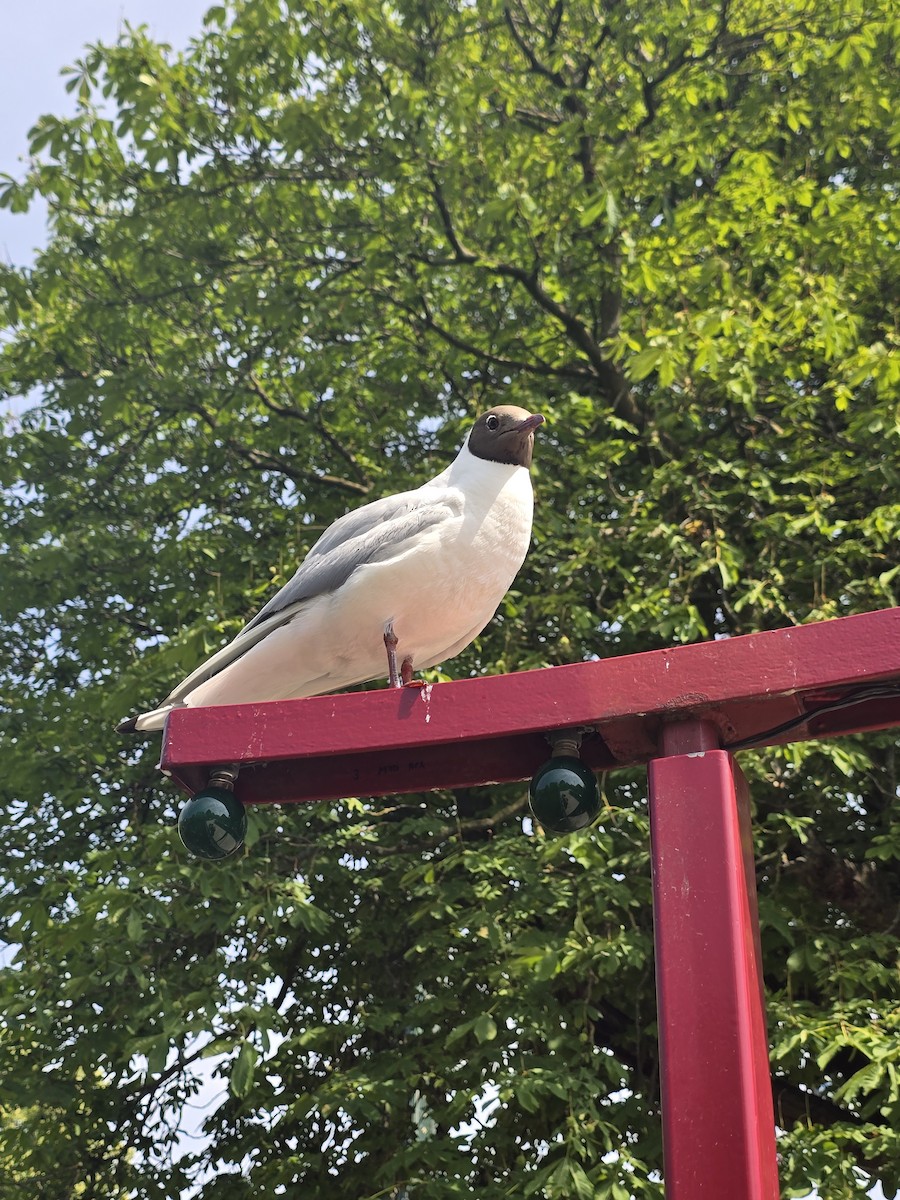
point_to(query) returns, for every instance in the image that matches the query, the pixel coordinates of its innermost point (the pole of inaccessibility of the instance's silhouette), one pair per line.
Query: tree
(284, 272)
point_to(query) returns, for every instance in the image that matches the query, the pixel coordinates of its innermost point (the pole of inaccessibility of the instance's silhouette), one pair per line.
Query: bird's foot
(390, 645)
(406, 672)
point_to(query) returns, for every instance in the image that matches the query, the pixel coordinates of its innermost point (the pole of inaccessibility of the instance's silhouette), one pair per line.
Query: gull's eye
(493, 422)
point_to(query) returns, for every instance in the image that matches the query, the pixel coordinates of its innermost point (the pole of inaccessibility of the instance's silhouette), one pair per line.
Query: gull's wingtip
(148, 722)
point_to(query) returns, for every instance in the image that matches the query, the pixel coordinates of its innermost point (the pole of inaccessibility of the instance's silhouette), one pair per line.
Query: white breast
(442, 593)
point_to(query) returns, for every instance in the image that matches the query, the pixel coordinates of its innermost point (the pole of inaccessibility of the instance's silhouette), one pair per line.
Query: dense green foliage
(284, 272)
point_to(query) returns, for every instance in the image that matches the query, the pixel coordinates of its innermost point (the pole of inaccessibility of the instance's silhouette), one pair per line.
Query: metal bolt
(566, 742)
(224, 777)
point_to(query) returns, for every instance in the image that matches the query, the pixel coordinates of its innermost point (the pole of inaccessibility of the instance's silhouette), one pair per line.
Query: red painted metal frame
(493, 730)
(718, 1118)
(674, 708)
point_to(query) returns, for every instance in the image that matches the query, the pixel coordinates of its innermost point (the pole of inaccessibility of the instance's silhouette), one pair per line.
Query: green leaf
(641, 365)
(485, 1028)
(459, 1031)
(241, 1078)
(581, 1184)
(864, 1080)
(547, 966)
(157, 1055)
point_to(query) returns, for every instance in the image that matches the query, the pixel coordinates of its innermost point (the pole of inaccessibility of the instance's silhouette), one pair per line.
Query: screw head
(564, 796)
(213, 824)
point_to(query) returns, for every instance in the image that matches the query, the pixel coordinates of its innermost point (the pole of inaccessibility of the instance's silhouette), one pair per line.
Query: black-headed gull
(410, 579)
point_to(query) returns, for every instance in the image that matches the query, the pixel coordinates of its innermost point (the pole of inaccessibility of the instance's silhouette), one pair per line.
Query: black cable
(856, 697)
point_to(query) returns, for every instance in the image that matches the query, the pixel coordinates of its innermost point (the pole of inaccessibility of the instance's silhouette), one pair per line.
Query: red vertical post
(718, 1119)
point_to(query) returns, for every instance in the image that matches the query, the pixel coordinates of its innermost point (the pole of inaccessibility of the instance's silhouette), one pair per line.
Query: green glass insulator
(564, 795)
(213, 823)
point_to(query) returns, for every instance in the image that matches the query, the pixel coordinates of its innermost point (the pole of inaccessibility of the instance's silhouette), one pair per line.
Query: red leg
(390, 645)
(406, 672)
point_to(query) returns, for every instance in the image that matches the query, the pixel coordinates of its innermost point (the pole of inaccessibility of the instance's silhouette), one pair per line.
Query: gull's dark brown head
(505, 434)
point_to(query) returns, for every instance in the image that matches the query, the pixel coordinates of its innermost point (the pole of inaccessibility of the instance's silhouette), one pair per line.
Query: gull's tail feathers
(151, 722)
(148, 722)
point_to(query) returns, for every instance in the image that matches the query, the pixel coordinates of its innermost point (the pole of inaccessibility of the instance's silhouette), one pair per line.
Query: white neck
(467, 468)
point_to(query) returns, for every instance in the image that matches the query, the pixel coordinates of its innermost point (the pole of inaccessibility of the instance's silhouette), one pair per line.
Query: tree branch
(793, 1104)
(610, 377)
(534, 64)
(463, 254)
(335, 443)
(514, 364)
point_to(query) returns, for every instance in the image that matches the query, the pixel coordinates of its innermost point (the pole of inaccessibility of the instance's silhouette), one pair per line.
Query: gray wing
(374, 533)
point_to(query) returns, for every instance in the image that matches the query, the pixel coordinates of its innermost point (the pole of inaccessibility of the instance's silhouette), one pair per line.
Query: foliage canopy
(285, 270)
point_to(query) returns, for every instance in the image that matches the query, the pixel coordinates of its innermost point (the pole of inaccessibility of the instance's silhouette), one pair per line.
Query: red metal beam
(718, 1120)
(492, 729)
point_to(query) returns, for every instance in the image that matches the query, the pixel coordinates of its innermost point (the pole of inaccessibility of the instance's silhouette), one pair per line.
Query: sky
(41, 37)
